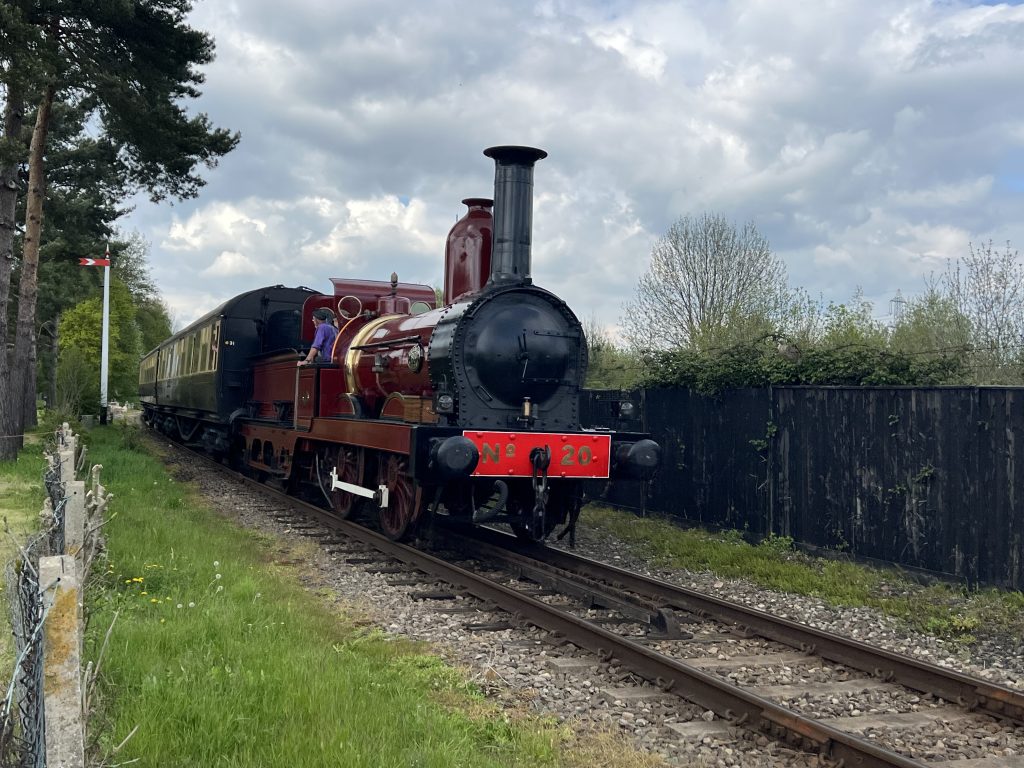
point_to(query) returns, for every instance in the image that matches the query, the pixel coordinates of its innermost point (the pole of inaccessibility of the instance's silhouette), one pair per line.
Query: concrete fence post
(67, 465)
(62, 659)
(74, 519)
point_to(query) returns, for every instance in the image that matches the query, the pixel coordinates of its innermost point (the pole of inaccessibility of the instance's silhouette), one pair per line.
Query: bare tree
(708, 284)
(609, 366)
(987, 288)
(931, 324)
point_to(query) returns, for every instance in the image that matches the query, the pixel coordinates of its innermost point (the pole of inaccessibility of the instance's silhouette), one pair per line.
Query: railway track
(650, 629)
(659, 611)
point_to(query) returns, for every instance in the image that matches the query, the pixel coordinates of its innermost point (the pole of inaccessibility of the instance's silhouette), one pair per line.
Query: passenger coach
(201, 377)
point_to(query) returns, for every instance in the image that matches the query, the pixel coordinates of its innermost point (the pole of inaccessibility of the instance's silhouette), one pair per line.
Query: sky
(870, 142)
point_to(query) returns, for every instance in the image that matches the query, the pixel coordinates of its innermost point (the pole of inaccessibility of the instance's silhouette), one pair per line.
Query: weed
(51, 420)
(778, 545)
(130, 435)
(731, 536)
(940, 609)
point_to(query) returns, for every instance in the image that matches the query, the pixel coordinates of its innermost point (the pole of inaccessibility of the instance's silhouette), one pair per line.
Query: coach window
(197, 353)
(203, 348)
(215, 345)
(179, 358)
(209, 348)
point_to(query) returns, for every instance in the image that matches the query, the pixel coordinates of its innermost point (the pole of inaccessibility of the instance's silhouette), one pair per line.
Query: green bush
(760, 363)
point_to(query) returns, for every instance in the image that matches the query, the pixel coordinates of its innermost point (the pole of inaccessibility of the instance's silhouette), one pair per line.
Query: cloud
(869, 142)
(234, 264)
(944, 195)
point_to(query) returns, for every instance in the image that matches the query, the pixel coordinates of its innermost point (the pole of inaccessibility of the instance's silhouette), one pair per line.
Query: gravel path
(517, 668)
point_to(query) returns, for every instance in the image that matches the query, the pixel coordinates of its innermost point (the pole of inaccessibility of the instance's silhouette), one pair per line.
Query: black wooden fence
(931, 478)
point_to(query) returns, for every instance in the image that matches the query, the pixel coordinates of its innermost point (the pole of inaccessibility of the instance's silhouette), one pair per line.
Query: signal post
(105, 344)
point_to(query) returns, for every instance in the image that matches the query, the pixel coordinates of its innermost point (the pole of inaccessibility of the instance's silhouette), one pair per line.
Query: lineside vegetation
(946, 610)
(21, 497)
(220, 656)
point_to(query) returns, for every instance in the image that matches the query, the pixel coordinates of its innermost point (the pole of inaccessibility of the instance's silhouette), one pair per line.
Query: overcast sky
(869, 141)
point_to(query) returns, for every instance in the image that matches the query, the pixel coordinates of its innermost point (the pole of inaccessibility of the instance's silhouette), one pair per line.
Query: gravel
(517, 668)
(997, 658)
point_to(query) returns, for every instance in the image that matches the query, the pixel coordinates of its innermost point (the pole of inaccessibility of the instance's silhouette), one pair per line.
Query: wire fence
(55, 494)
(22, 738)
(22, 711)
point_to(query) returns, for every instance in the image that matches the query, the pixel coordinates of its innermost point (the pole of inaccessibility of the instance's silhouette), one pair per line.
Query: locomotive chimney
(513, 212)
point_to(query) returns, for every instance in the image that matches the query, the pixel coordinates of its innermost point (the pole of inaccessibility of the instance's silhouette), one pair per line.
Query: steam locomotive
(467, 407)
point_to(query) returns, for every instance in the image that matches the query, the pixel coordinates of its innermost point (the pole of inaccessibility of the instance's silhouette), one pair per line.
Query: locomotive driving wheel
(403, 496)
(348, 464)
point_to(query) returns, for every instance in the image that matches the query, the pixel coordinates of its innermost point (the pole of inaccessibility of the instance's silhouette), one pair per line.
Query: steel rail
(576, 586)
(740, 707)
(972, 693)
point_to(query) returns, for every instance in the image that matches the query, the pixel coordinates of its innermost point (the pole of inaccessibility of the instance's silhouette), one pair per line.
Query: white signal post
(105, 345)
(104, 349)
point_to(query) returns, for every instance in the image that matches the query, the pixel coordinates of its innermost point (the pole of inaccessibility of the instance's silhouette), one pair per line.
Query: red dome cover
(467, 258)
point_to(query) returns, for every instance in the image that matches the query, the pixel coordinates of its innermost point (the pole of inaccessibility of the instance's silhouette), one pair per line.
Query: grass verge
(219, 657)
(942, 609)
(21, 498)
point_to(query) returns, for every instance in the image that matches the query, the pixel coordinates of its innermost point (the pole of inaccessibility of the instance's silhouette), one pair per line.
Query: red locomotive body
(469, 409)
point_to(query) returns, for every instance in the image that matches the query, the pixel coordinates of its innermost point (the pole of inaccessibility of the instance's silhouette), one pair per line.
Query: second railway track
(665, 607)
(639, 633)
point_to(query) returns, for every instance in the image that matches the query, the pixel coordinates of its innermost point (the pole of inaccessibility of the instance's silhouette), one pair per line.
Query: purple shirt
(323, 341)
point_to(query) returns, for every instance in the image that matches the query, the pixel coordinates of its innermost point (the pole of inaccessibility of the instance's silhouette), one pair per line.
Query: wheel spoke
(402, 497)
(348, 464)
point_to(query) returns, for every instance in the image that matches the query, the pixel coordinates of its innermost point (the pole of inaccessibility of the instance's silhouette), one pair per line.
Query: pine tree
(128, 64)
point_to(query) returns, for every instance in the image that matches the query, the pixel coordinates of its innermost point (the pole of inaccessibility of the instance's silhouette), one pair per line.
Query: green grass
(21, 498)
(941, 609)
(219, 657)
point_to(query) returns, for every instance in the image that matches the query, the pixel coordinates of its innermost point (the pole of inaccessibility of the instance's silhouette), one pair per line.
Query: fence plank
(927, 477)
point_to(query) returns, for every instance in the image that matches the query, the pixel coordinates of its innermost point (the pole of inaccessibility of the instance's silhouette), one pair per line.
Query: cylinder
(513, 212)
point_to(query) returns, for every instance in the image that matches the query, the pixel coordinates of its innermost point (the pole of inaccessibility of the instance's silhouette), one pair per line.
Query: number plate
(508, 453)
